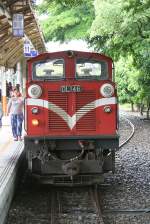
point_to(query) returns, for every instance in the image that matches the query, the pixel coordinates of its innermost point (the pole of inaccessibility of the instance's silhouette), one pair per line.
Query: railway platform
(10, 156)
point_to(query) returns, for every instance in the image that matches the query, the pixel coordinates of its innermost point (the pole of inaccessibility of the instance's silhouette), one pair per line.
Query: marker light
(35, 122)
(107, 90)
(35, 110)
(107, 109)
(34, 91)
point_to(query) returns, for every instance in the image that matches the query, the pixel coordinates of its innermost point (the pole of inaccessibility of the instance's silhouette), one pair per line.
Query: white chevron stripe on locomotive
(71, 120)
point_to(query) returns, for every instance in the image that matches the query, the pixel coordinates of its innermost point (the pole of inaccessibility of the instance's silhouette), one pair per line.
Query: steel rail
(132, 132)
(128, 211)
(96, 198)
(53, 206)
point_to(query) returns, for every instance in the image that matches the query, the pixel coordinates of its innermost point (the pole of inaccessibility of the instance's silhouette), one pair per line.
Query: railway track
(53, 207)
(131, 130)
(97, 202)
(80, 206)
(75, 206)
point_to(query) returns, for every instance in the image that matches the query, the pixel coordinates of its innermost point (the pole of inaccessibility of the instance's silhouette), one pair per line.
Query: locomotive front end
(71, 118)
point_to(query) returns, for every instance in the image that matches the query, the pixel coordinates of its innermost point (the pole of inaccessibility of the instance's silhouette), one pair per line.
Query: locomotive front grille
(87, 122)
(55, 122)
(84, 108)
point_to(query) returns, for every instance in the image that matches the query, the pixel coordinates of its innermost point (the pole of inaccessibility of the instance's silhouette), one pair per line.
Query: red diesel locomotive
(71, 117)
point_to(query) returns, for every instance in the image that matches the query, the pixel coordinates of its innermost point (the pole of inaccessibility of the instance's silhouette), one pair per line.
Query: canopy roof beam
(10, 45)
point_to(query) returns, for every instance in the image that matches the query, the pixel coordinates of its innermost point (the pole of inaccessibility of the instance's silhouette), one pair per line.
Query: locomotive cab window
(91, 69)
(49, 69)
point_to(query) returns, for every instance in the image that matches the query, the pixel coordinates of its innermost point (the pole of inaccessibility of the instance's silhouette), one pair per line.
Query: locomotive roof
(62, 53)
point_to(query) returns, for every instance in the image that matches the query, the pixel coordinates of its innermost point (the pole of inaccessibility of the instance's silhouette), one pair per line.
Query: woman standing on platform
(15, 108)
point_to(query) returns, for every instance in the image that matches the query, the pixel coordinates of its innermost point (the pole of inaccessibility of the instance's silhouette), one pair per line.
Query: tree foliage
(122, 29)
(67, 20)
(133, 87)
(127, 78)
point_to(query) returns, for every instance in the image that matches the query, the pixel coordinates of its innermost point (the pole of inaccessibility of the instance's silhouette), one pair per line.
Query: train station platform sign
(32, 53)
(28, 52)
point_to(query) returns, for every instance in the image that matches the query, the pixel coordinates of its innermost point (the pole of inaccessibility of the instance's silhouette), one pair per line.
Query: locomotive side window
(49, 69)
(91, 69)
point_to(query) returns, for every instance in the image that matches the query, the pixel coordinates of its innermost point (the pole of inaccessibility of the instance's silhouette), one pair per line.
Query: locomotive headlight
(35, 91)
(107, 90)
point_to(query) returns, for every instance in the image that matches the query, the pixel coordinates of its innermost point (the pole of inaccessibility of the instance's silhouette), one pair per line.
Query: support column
(4, 96)
(19, 75)
(24, 75)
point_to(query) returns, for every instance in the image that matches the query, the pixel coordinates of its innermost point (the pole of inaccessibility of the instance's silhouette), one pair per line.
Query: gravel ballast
(130, 185)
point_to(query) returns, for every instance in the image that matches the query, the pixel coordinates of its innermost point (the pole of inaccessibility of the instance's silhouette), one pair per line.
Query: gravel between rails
(129, 187)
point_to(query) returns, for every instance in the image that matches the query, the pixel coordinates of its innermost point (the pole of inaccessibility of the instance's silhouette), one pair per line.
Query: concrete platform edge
(9, 184)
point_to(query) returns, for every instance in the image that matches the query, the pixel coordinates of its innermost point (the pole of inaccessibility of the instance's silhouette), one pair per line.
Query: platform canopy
(11, 47)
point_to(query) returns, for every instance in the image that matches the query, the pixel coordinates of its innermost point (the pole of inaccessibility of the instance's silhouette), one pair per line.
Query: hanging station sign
(33, 53)
(18, 25)
(27, 47)
(28, 52)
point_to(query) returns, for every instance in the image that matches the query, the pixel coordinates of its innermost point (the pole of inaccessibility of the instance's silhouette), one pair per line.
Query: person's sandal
(15, 139)
(19, 138)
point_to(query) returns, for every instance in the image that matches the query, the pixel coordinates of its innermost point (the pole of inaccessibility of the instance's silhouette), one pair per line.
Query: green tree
(126, 78)
(144, 93)
(122, 29)
(67, 20)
